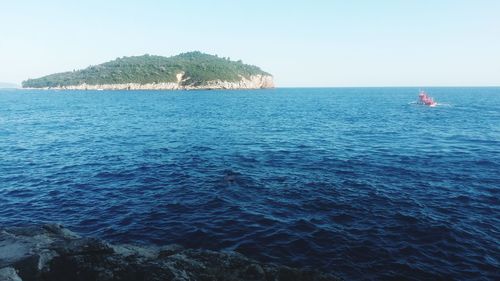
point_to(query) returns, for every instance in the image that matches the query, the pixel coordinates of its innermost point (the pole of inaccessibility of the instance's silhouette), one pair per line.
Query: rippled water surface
(360, 182)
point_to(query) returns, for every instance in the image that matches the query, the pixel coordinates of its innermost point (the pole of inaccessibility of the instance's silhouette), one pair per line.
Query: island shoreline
(255, 82)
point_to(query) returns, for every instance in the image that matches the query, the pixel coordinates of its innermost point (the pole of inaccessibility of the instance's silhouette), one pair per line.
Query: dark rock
(168, 250)
(9, 274)
(83, 246)
(254, 272)
(30, 267)
(60, 231)
(53, 253)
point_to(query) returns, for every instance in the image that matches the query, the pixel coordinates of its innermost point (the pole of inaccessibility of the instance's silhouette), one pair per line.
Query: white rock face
(254, 82)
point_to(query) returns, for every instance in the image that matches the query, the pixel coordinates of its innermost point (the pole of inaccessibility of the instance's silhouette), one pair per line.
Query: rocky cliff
(53, 253)
(254, 82)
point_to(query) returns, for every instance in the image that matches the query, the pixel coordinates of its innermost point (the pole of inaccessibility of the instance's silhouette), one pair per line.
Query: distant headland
(187, 71)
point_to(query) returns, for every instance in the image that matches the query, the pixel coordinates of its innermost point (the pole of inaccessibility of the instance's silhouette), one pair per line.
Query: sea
(364, 183)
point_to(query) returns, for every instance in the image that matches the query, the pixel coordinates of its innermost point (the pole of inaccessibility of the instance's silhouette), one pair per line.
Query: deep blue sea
(361, 182)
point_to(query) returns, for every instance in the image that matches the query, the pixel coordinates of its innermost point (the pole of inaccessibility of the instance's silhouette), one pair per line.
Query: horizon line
(323, 87)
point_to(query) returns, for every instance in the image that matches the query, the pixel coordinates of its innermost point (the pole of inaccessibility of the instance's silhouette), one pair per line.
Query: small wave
(439, 104)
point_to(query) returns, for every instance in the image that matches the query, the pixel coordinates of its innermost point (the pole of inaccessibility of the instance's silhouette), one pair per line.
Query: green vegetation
(198, 68)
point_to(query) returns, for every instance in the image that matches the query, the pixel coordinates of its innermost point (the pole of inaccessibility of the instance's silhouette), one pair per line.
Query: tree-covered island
(192, 70)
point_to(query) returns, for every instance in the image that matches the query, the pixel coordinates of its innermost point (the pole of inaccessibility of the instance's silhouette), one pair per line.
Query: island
(186, 71)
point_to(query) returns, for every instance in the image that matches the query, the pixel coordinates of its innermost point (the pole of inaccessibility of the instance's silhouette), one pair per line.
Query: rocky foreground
(53, 253)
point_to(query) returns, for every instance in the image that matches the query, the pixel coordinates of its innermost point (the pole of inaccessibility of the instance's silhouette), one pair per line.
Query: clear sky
(303, 43)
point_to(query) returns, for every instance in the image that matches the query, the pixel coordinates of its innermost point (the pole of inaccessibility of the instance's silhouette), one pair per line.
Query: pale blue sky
(303, 43)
